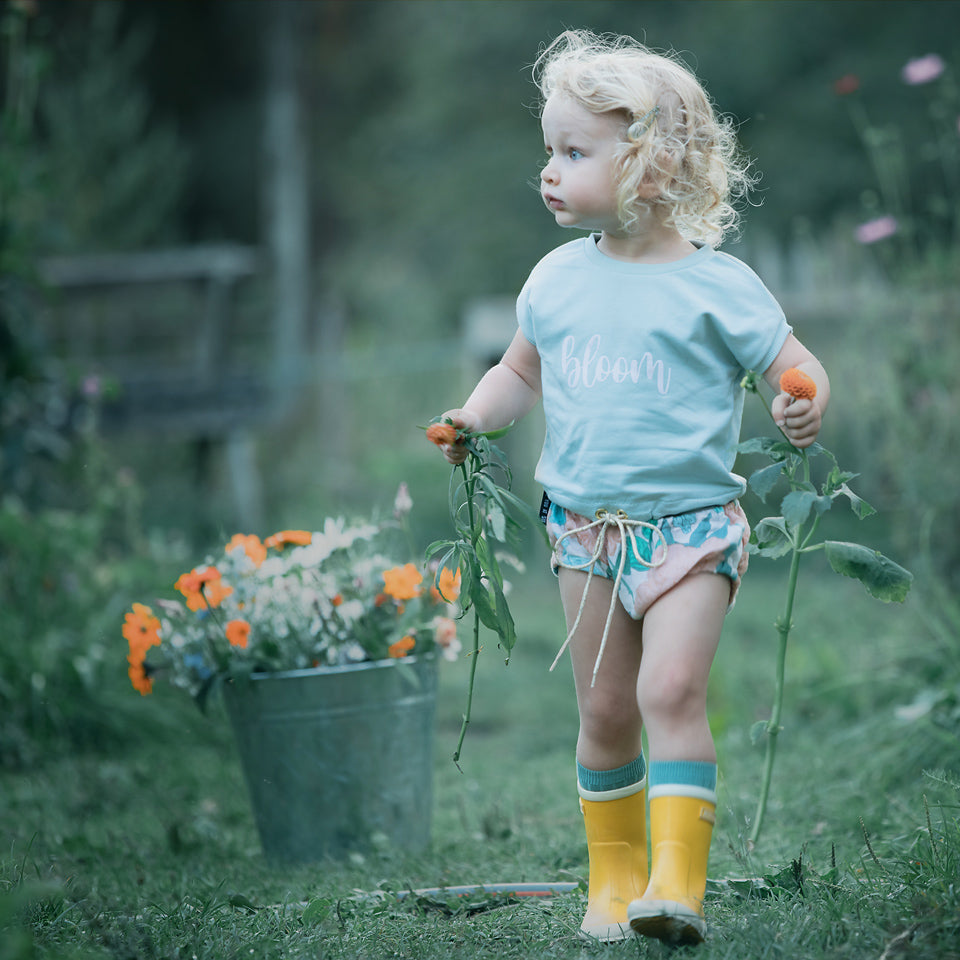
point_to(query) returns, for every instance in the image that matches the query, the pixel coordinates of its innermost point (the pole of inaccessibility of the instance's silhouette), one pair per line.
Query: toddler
(636, 337)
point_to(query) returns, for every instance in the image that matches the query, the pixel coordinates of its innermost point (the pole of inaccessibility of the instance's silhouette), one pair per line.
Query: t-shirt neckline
(598, 258)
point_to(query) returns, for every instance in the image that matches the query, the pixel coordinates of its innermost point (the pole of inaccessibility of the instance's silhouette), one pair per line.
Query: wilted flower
(923, 69)
(878, 229)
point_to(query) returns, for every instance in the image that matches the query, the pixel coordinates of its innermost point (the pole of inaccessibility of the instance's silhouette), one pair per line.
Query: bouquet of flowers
(295, 600)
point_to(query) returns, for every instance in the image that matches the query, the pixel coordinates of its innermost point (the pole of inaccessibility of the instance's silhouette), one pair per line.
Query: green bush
(71, 555)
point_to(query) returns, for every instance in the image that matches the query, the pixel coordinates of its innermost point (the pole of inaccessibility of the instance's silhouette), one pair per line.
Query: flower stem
(474, 657)
(469, 486)
(773, 727)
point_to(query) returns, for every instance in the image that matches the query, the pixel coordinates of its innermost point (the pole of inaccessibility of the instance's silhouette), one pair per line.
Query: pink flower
(874, 230)
(923, 69)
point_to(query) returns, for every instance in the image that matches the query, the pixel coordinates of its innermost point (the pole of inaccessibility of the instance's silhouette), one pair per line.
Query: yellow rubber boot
(681, 827)
(616, 829)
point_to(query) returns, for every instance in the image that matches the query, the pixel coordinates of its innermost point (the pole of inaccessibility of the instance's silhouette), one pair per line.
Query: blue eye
(575, 154)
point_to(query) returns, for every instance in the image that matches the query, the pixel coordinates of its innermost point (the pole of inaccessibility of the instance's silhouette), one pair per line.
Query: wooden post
(286, 198)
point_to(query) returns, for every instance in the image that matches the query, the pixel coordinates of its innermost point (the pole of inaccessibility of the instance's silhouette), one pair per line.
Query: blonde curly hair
(672, 136)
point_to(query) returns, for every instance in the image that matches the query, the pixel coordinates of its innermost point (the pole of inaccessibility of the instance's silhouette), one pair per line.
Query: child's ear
(657, 178)
(649, 189)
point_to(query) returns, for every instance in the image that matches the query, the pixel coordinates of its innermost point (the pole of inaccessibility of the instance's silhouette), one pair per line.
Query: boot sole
(614, 933)
(669, 922)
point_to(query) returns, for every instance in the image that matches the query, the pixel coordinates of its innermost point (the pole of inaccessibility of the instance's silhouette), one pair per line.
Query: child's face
(578, 183)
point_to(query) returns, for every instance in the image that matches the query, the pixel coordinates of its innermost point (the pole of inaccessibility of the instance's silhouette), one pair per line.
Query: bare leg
(681, 632)
(610, 720)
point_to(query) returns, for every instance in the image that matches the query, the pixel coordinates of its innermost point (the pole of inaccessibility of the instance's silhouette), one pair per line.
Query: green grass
(151, 852)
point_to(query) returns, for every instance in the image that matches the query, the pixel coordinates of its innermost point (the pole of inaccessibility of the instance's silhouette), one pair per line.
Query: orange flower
(138, 677)
(203, 588)
(238, 633)
(252, 547)
(299, 538)
(402, 647)
(441, 433)
(141, 629)
(403, 583)
(448, 586)
(798, 384)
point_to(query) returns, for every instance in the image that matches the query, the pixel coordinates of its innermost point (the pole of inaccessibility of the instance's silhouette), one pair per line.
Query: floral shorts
(711, 540)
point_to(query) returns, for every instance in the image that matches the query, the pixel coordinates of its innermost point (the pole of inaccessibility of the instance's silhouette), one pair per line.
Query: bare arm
(800, 420)
(505, 393)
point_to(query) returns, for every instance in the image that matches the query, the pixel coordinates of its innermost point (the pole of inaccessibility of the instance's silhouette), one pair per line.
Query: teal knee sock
(600, 781)
(688, 773)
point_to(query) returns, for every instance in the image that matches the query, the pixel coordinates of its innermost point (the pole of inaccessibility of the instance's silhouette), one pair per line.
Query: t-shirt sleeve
(524, 314)
(753, 325)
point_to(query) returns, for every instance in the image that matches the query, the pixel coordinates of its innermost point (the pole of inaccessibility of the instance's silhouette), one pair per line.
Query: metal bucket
(338, 759)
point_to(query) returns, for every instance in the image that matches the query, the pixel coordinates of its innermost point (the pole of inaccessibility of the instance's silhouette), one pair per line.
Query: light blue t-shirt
(641, 367)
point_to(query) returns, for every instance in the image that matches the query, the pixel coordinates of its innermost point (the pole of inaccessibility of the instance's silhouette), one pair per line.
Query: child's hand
(799, 419)
(456, 453)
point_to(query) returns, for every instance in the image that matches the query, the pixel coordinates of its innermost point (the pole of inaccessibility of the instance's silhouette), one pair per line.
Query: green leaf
(797, 505)
(437, 546)
(484, 607)
(761, 445)
(771, 538)
(859, 506)
(317, 910)
(762, 481)
(881, 577)
(836, 478)
(497, 434)
(497, 520)
(507, 629)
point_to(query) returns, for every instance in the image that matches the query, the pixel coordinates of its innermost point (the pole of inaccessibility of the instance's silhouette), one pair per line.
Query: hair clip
(640, 126)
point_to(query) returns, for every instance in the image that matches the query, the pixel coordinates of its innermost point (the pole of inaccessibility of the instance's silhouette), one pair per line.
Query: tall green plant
(483, 511)
(791, 534)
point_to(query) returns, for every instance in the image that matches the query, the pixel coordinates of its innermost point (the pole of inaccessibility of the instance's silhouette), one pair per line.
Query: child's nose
(548, 174)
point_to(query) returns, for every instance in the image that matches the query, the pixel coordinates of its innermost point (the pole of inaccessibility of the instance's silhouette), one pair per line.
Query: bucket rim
(343, 668)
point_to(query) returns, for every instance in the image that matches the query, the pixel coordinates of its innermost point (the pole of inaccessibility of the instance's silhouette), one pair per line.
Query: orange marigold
(141, 629)
(252, 547)
(238, 633)
(203, 588)
(798, 384)
(441, 433)
(448, 586)
(402, 647)
(298, 538)
(402, 583)
(138, 677)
